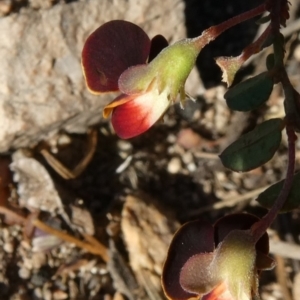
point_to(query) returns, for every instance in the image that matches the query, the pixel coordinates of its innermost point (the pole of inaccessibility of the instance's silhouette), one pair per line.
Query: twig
(100, 250)
(62, 170)
(227, 202)
(213, 32)
(11, 215)
(93, 246)
(281, 277)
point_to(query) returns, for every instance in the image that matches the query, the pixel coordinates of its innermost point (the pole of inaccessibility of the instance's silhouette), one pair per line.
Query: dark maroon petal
(158, 43)
(110, 50)
(264, 262)
(242, 222)
(192, 238)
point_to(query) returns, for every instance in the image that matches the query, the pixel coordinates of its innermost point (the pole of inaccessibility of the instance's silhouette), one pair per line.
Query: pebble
(60, 295)
(24, 273)
(38, 294)
(191, 167)
(187, 157)
(174, 165)
(124, 145)
(38, 279)
(8, 247)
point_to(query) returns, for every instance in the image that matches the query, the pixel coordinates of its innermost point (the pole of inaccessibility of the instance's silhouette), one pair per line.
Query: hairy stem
(256, 46)
(213, 32)
(279, 14)
(259, 228)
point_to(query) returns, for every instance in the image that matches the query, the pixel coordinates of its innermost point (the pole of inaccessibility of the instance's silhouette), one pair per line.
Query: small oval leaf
(250, 94)
(254, 148)
(268, 197)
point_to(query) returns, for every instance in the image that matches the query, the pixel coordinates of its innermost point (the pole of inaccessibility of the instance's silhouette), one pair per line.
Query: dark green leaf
(268, 197)
(254, 148)
(250, 94)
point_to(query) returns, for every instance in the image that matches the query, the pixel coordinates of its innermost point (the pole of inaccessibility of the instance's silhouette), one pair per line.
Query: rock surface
(42, 89)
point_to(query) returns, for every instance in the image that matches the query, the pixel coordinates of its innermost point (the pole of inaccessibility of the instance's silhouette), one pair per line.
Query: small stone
(191, 167)
(174, 165)
(38, 293)
(60, 295)
(188, 139)
(24, 273)
(187, 157)
(8, 247)
(38, 260)
(38, 279)
(47, 294)
(124, 145)
(73, 289)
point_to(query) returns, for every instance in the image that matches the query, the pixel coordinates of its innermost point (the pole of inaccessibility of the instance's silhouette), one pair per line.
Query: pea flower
(220, 262)
(118, 57)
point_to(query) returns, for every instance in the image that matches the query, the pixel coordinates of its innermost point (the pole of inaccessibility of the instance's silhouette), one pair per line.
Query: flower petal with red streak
(138, 115)
(110, 50)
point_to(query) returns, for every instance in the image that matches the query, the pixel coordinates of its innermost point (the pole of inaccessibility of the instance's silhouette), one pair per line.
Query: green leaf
(254, 148)
(250, 94)
(268, 197)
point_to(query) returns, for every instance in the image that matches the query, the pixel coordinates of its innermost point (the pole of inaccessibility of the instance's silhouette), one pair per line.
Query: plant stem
(259, 228)
(213, 32)
(256, 46)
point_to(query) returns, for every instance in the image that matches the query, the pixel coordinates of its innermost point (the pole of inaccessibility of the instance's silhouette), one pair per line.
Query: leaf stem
(213, 32)
(259, 228)
(256, 46)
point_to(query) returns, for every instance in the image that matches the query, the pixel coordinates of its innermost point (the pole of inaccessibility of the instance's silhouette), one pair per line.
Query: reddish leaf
(191, 239)
(110, 50)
